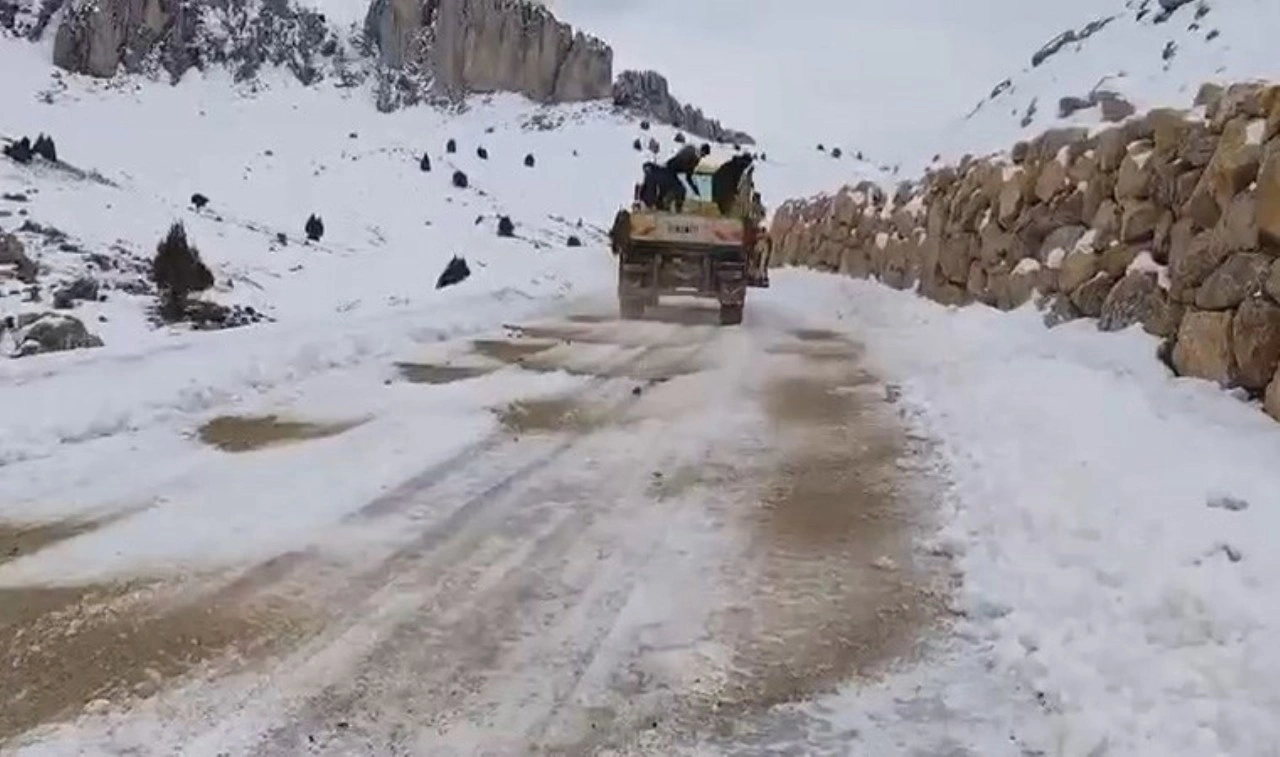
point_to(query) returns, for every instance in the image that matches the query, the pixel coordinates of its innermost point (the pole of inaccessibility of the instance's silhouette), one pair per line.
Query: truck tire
(631, 308)
(730, 315)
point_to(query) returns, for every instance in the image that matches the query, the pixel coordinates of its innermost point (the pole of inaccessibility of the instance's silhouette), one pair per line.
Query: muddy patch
(20, 539)
(509, 351)
(833, 589)
(817, 335)
(68, 649)
(812, 402)
(231, 433)
(561, 414)
(427, 373)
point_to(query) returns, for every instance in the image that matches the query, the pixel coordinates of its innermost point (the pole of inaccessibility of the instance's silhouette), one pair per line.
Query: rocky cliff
(104, 37)
(451, 47)
(1169, 221)
(647, 93)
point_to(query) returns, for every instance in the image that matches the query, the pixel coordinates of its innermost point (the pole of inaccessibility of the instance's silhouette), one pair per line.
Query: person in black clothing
(683, 163)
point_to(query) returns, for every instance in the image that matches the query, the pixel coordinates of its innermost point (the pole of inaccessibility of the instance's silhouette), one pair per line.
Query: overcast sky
(876, 75)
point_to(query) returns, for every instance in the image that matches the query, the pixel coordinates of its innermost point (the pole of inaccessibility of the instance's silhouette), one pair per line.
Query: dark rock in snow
(505, 227)
(529, 160)
(637, 146)
(680, 137)
(573, 241)
(456, 271)
(425, 163)
(451, 146)
(198, 201)
(460, 180)
(482, 153)
(282, 238)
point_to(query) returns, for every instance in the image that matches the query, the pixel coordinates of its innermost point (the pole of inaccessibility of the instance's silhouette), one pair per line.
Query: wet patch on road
(72, 649)
(428, 373)
(232, 433)
(509, 351)
(21, 539)
(549, 415)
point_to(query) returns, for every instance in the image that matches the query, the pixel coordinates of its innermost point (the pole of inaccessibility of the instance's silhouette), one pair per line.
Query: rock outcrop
(1166, 222)
(646, 93)
(103, 37)
(465, 46)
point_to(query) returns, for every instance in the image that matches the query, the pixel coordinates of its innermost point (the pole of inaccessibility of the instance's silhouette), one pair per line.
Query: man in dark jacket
(683, 163)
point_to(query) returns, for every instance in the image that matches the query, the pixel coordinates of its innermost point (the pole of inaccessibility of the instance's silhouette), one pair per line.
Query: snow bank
(1098, 577)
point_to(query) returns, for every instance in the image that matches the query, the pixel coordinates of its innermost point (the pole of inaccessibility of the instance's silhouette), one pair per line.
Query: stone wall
(1170, 220)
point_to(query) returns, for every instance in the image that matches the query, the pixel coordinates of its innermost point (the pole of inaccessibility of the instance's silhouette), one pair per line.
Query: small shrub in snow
(45, 148)
(529, 160)
(178, 272)
(680, 137)
(456, 271)
(644, 126)
(314, 228)
(460, 180)
(482, 153)
(505, 227)
(425, 163)
(198, 201)
(451, 146)
(19, 151)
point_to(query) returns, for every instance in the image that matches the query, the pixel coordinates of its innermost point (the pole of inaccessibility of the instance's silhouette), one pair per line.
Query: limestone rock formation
(466, 46)
(647, 93)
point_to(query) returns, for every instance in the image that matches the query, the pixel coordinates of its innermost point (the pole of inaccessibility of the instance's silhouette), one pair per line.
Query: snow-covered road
(644, 536)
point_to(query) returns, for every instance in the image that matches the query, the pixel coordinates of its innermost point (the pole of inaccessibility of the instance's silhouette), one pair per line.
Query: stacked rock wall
(1170, 220)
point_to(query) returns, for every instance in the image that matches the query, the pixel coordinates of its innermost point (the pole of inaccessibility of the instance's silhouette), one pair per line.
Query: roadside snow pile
(1103, 575)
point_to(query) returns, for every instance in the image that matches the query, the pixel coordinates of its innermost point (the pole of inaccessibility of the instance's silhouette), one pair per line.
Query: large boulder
(1271, 401)
(1131, 301)
(1135, 177)
(1078, 267)
(1241, 276)
(13, 253)
(1191, 263)
(1255, 340)
(1234, 167)
(1204, 347)
(1090, 296)
(1268, 195)
(53, 332)
(1138, 221)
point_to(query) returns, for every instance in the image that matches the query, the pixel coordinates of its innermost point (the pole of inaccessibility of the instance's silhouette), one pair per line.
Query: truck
(697, 251)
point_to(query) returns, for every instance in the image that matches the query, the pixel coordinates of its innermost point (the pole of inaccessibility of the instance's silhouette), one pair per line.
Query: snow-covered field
(1110, 525)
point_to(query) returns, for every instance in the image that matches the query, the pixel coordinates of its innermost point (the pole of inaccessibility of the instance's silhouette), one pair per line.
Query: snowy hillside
(1153, 53)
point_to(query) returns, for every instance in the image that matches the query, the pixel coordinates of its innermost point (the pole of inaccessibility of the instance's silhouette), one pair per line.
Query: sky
(871, 75)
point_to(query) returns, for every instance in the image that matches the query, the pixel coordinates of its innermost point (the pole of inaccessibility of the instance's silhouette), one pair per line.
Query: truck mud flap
(635, 278)
(733, 283)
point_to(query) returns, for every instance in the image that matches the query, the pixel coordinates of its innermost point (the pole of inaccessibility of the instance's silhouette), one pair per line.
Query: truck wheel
(730, 315)
(631, 308)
